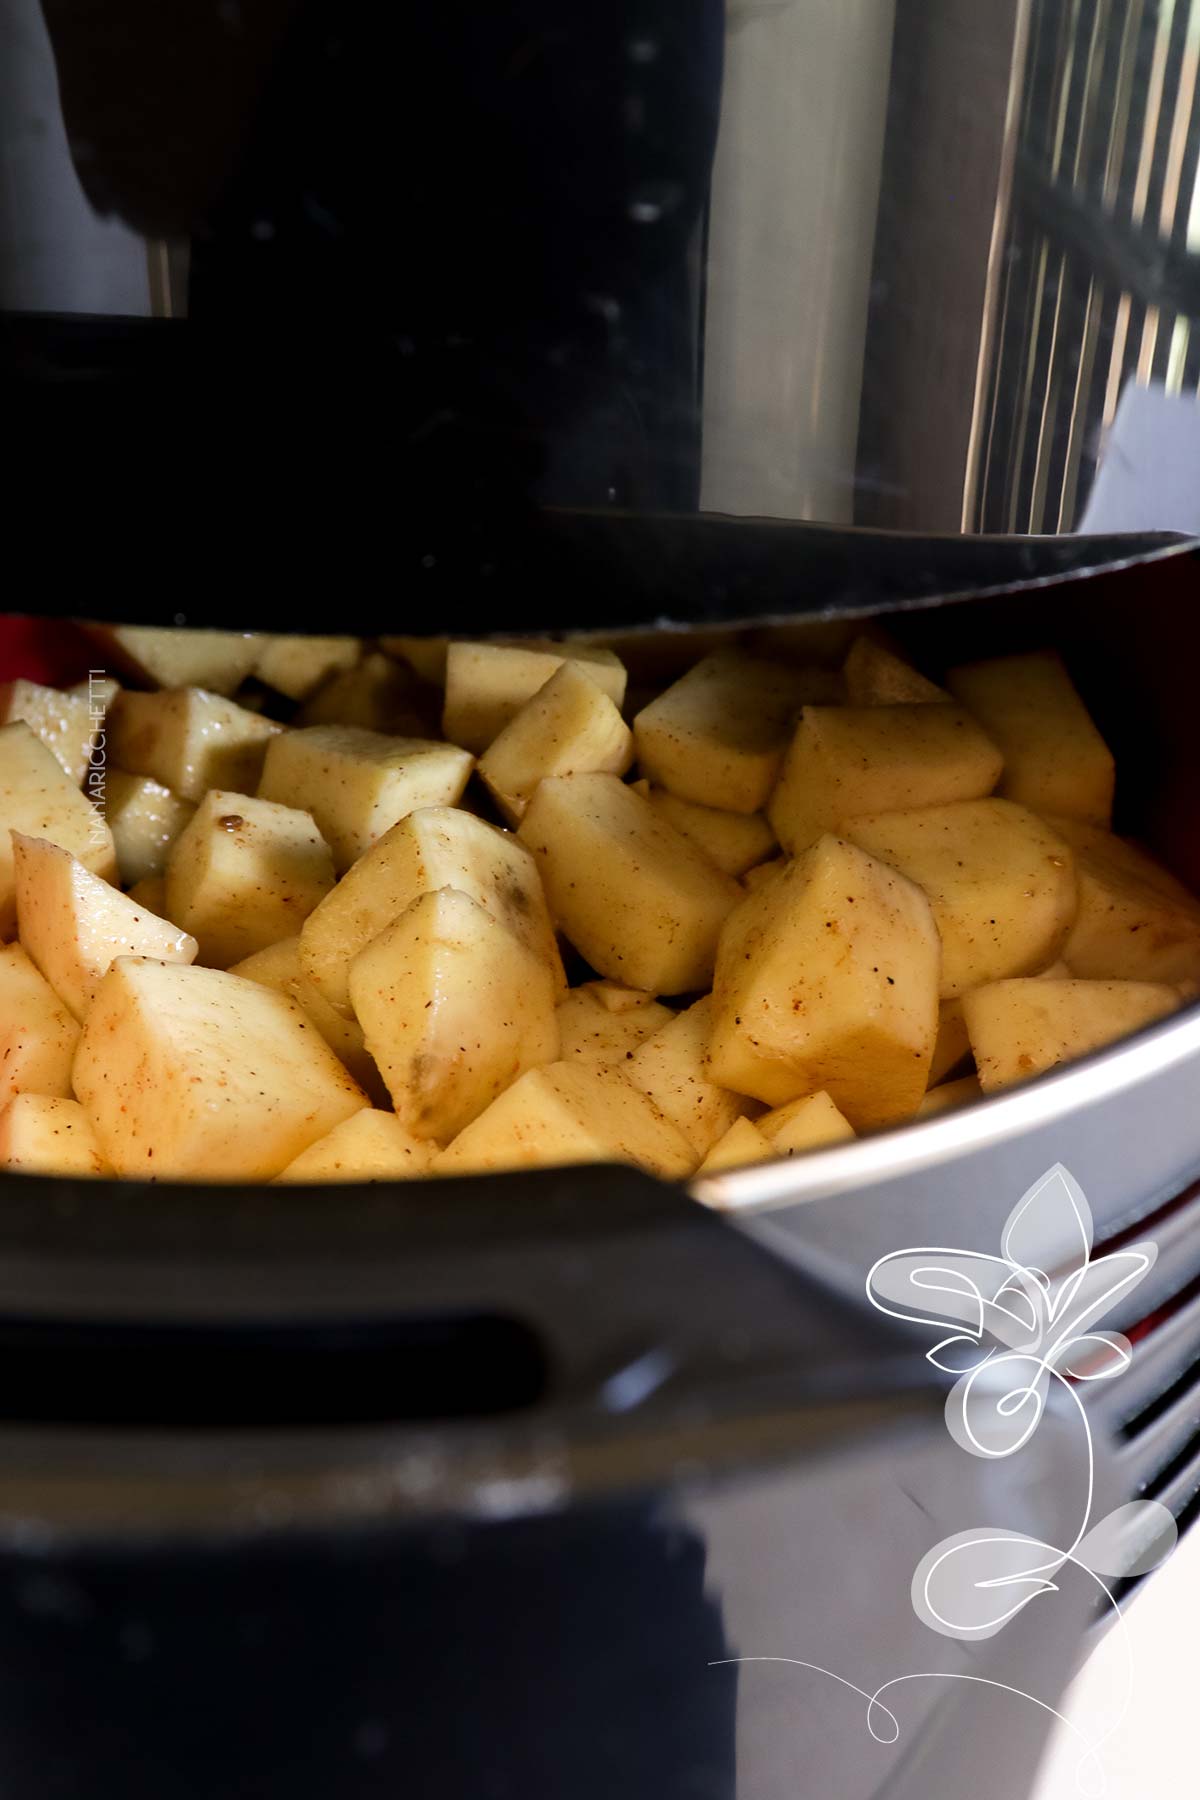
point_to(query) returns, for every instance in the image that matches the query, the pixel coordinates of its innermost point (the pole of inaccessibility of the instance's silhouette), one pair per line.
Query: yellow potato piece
(296, 666)
(63, 721)
(244, 873)
(1000, 882)
(39, 798)
(736, 842)
(488, 684)
(617, 999)
(425, 656)
(358, 783)
(634, 896)
(368, 1146)
(151, 895)
(1055, 759)
(949, 1096)
(74, 925)
(848, 761)
(876, 675)
(670, 1068)
(376, 694)
(827, 978)
(44, 1136)
(195, 1074)
(810, 1123)
(717, 735)
(1135, 922)
(590, 1031)
(741, 1145)
(168, 657)
(434, 847)
(145, 818)
(453, 1010)
(38, 1036)
(279, 967)
(953, 1044)
(1022, 1028)
(570, 1113)
(190, 740)
(570, 726)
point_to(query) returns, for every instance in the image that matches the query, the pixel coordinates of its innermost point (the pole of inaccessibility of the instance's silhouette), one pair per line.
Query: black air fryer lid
(450, 352)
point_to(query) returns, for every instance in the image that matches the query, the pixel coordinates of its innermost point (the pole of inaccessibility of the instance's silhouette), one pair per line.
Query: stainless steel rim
(1055, 1097)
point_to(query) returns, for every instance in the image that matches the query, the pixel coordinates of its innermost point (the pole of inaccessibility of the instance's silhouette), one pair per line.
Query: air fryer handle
(593, 1286)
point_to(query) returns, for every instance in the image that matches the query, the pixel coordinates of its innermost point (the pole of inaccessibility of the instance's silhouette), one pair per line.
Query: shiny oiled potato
(744, 911)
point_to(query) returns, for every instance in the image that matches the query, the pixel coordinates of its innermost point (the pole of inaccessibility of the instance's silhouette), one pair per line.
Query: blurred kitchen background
(941, 240)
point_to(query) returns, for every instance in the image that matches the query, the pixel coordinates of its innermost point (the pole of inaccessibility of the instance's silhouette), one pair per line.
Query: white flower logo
(1017, 1329)
(1013, 1330)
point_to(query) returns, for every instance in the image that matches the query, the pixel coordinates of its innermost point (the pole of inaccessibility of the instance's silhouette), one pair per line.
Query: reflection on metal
(987, 338)
(1103, 280)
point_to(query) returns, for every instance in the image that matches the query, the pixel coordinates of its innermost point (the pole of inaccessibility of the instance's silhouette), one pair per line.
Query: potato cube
(150, 893)
(434, 847)
(1022, 1028)
(38, 1036)
(189, 740)
(145, 818)
(718, 735)
(190, 1073)
(570, 1113)
(38, 797)
(827, 978)
(63, 721)
(736, 842)
(876, 675)
(741, 1145)
(1000, 882)
(376, 695)
(570, 726)
(635, 897)
(174, 657)
(244, 873)
(44, 1136)
(617, 999)
(279, 967)
(99, 690)
(590, 1031)
(1134, 922)
(453, 1009)
(488, 684)
(850, 760)
(670, 1068)
(1055, 760)
(368, 1146)
(74, 925)
(425, 656)
(811, 1123)
(950, 1096)
(953, 1045)
(759, 876)
(356, 784)
(296, 666)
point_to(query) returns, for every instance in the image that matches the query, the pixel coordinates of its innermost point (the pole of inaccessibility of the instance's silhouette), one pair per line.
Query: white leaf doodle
(1009, 1330)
